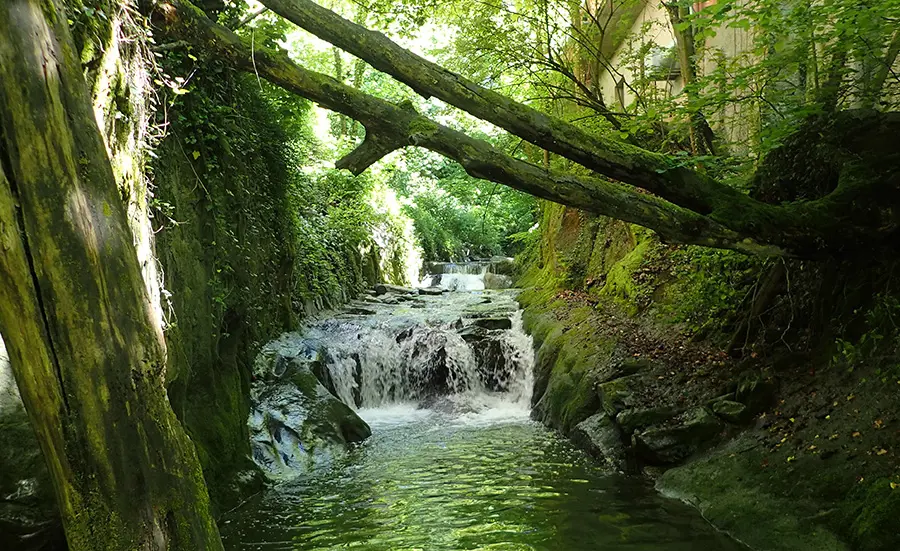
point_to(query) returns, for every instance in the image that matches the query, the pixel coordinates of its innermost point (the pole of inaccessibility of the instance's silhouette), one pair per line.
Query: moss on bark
(85, 347)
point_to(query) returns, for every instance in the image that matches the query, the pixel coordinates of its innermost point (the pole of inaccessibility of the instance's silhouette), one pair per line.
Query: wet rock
(617, 395)
(359, 311)
(319, 368)
(601, 437)
(502, 265)
(493, 323)
(403, 335)
(733, 412)
(472, 333)
(497, 281)
(670, 445)
(432, 374)
(295, 421)
(493, 367)
(487, 345)
(631, 420)
(431, 291)
(383, 288)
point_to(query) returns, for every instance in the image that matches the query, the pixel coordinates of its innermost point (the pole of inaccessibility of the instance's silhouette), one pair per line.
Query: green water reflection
(436, 484)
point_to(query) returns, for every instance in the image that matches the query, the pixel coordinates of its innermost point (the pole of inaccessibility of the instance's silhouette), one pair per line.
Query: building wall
(651, 26)
(735, 124)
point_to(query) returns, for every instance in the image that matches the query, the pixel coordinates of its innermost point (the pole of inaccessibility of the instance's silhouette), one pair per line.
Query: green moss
(620, 283)
(875, 510)
(733, 493)
(569, 355)
(249, 244)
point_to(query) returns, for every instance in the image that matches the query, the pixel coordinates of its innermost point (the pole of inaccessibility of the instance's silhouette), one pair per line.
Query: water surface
(474, 473)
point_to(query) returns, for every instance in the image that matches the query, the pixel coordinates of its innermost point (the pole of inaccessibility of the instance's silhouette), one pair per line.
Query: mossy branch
(857, 212)
(390, 126)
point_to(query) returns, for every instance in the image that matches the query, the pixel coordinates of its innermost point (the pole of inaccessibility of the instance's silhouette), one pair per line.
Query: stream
(454, 462)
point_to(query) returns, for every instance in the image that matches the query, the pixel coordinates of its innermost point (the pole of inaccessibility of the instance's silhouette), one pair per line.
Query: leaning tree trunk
(86, 352)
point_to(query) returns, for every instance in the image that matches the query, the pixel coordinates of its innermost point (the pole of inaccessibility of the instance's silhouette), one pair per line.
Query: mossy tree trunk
(88, 357)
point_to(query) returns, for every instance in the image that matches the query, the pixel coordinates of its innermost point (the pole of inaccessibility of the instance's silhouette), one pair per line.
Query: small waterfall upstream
(469, 276)
(428, 349)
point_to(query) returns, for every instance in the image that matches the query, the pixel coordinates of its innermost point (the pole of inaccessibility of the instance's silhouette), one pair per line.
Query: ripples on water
(486, 479)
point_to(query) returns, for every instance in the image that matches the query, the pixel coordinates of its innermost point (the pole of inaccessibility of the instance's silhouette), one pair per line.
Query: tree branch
(389, 126)
(651, 171)
(860, 211)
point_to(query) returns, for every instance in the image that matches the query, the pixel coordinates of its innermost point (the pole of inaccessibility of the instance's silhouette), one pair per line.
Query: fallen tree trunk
(86, 350)
(390, 127)
(853, 213)
(620, 161)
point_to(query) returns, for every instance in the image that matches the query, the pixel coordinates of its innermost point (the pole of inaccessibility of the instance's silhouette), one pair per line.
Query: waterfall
(374, 365)
(468, 276)
(405, 353)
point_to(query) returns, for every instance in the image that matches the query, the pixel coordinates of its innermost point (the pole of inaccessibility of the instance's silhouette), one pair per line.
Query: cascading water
(449, 459)
(468, 276)
(427, 348)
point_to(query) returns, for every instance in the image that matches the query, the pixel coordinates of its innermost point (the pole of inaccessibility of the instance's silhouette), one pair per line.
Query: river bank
(786, 440)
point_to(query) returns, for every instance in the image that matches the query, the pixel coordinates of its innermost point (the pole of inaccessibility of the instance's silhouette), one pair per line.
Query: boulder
(296, 422)
(503, 265)
(616, 395)
(733, 412)
(383, 288)
(473, 333)
(493, 323)
(600, 436)
(497, 281)
(670, 445)
(431, 291)
(631, 420)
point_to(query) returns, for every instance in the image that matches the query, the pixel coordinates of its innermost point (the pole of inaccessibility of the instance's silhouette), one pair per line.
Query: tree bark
(700, 132)
(88, 357)
(620, 161)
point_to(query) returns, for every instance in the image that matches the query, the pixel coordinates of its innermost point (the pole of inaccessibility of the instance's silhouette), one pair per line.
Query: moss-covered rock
(616, 395)
(733, 412)
(730, 489)
(668, 445)
(568, 361)
(631, 420)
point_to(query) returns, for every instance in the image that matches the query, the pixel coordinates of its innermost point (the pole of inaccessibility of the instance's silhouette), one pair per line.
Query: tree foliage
(676, 197)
